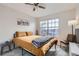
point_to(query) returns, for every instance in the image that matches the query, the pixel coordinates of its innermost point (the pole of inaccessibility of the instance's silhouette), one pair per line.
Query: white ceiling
(50, 8)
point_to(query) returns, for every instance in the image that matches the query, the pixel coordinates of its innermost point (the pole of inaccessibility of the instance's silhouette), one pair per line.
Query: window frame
(54, 27)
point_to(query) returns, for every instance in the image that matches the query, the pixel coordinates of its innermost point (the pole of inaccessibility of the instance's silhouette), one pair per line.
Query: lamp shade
(72, 22)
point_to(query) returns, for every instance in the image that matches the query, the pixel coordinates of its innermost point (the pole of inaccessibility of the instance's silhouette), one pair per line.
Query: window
(49, 27)
(43, 26)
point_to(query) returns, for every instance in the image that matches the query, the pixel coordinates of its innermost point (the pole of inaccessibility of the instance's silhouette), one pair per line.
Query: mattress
(26, 43)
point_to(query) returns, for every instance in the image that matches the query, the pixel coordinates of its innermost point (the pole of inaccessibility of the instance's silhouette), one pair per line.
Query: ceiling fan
(35, 5)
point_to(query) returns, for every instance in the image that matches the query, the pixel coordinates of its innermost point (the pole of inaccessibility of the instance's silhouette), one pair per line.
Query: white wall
(8, 23)
(77, 14)
(64, 16)
(9, 17)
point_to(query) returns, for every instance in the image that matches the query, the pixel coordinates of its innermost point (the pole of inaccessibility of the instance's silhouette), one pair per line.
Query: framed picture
(24, 23)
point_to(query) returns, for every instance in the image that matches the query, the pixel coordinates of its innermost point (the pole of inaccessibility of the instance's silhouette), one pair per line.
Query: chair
(6, 44)
(70, 38)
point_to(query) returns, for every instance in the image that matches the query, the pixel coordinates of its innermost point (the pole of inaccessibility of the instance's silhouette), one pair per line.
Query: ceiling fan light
(34, 9)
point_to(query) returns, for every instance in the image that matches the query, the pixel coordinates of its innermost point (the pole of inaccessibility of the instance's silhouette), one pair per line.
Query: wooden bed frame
(32, 49)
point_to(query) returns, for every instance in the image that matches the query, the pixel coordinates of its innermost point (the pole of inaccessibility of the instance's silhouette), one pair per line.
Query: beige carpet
(52, 52)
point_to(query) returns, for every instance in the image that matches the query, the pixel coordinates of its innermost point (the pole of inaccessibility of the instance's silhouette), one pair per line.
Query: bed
(26, 43)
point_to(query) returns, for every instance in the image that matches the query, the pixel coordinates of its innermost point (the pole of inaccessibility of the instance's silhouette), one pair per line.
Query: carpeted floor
(52, 52)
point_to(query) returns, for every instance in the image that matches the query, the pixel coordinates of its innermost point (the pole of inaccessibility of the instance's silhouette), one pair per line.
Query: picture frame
(24, 23)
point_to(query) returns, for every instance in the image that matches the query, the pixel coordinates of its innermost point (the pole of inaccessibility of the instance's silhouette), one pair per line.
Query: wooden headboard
(21, 34)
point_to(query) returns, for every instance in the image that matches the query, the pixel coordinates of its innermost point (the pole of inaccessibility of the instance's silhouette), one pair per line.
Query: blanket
(39, 42)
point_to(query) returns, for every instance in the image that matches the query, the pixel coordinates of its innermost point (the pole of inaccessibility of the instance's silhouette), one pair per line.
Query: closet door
(77, 35)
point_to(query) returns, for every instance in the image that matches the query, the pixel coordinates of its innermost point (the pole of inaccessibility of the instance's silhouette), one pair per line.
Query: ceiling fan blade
(28, 3)
(41, 7)
(36, 4)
